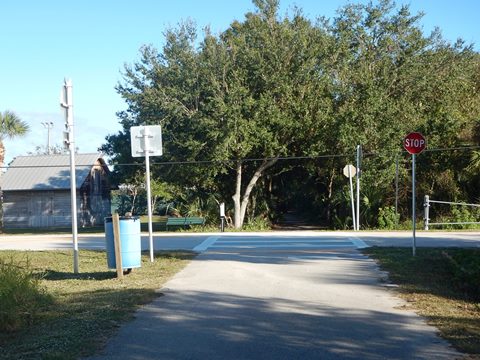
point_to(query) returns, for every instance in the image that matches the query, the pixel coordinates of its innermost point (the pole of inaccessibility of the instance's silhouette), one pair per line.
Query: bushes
(387, 218)
(21, 296)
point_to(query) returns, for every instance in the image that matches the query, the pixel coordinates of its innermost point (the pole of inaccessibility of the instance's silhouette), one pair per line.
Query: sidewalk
(276, 305)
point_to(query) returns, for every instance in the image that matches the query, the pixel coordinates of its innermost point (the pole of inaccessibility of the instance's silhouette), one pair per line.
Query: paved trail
(277, 297)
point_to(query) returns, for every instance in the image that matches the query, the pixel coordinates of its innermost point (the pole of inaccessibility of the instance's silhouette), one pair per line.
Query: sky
(90, 41)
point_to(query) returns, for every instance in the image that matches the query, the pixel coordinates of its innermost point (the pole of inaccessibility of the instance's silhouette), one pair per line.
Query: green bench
(184, 221)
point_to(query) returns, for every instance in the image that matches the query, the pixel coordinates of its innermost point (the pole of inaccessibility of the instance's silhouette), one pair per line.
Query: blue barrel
(131, 245)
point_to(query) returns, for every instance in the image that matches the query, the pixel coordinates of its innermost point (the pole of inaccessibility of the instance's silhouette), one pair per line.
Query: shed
(36, 191)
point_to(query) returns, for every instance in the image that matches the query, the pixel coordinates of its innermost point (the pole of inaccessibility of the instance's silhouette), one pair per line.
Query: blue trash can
(131, 244)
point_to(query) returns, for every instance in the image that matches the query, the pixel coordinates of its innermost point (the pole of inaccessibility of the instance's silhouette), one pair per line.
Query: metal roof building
(36, 191)
(47, 172)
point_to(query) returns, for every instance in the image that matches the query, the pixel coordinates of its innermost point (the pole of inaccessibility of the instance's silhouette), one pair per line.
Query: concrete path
(283, 297)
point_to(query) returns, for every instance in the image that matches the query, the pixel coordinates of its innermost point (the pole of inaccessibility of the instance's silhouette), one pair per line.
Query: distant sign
(146, 138)
(414, 143)
(349, 170)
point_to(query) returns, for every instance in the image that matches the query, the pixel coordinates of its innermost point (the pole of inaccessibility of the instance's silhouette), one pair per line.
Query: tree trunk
(236, 197)
(330, 194)
(241, 206)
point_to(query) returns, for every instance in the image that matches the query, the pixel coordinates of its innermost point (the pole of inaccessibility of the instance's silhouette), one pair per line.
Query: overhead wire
(200, 162)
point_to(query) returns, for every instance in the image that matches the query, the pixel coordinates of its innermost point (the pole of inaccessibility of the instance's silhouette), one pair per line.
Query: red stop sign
(414, 143)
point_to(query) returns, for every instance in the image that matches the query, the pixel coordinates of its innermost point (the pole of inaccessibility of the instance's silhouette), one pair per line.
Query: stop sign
(414, 143)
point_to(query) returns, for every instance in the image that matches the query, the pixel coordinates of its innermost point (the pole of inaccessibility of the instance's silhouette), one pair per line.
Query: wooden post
(118, 244)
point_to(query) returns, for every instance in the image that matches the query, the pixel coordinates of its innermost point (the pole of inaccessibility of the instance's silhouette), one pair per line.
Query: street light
(48, 125)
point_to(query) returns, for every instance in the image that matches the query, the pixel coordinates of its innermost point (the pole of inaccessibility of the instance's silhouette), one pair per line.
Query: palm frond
(11, 125)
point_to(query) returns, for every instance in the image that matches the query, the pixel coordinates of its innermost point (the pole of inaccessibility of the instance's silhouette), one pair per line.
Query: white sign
(146, 138)
(222, 209)
(353, 170)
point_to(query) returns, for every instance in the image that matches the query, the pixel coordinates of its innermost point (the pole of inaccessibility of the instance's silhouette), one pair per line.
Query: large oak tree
(272, 86)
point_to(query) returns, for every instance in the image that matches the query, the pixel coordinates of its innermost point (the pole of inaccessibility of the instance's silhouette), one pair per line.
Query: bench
(184, 221)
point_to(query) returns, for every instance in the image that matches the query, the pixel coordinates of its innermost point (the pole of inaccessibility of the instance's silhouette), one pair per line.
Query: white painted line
(206, 243)
(358, 242)
(286, 246)
(284, 241)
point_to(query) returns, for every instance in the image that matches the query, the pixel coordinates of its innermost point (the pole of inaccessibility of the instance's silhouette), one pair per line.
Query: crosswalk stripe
(275, 241)
(206, 244)
(310, 246)
(358, 242)
(219, 242)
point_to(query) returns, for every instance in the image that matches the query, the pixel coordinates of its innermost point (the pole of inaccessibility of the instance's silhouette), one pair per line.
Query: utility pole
(66, 102)
(359, 172)
(48, 125)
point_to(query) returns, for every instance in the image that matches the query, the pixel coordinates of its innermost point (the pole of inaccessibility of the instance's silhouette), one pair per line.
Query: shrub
(257, 224)
(21, 296)
(387, 219)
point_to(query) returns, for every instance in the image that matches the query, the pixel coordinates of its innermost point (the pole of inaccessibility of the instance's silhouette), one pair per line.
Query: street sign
(414, 143)
(146, 139)
(349, 170)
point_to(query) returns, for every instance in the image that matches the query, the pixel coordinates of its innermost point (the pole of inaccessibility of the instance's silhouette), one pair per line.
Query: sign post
(66, 102)
(350, 171)
(147, 141)
(414, 143)
(222, 217)
(359, 165)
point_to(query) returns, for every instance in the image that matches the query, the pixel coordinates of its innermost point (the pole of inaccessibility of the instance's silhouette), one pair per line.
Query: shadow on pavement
(203, 325)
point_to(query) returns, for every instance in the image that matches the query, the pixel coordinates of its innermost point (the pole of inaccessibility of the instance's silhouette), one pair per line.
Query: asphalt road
(188, 241)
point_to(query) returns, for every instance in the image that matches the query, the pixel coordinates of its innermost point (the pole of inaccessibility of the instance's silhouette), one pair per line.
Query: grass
(87, 307)
(21, 296)
(443, 285)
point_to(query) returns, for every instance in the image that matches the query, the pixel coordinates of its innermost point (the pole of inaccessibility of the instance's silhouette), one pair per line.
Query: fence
(426, 216)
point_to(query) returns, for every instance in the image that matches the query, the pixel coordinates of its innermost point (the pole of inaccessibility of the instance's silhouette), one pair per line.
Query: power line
(200, 162)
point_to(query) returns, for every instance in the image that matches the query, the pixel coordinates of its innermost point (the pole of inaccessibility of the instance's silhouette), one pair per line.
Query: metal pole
(48, 125)
(414, 240)
(359, 154)
(48, 140)
(396, 190)
(351, 197)
(222, 217)
(426, 211)
(73, 185)
(149, 195)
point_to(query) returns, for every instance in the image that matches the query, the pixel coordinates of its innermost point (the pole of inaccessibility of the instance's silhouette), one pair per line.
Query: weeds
(21, 295)
(87, 307)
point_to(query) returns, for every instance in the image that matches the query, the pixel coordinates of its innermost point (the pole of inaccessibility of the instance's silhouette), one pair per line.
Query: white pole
(396, 191)
(73, 186)
(48, 125)
(351, 196)
(149, 195)
(48, 139)
(414, 240)
(359, 154)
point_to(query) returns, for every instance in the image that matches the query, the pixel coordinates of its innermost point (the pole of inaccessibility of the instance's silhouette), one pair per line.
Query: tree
(10, 126)
(160, 190)
(233, 104)
(390, 80)
(252, 92)
(55, 150)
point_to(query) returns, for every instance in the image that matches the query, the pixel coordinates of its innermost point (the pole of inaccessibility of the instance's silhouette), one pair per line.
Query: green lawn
(87, 307)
